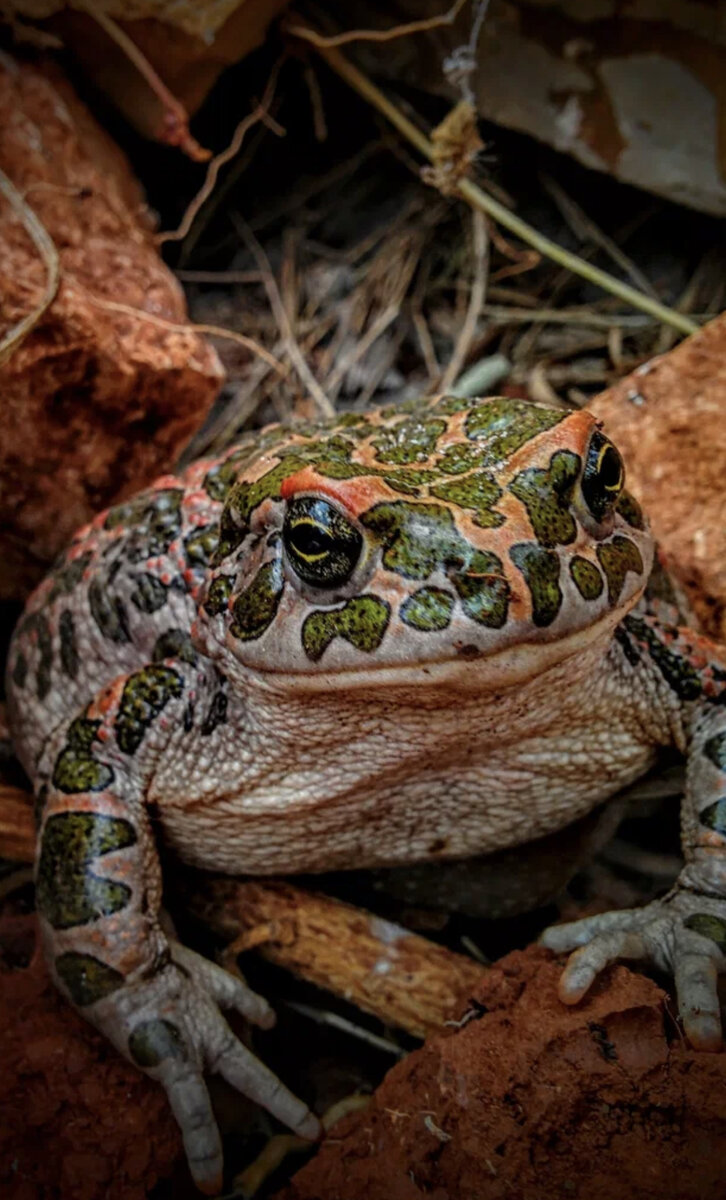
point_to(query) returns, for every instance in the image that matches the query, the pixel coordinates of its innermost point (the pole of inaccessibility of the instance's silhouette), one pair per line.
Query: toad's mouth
(487, 671)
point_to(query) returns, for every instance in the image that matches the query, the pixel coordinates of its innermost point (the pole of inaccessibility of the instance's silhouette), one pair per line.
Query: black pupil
(311, 539)
(610, 468)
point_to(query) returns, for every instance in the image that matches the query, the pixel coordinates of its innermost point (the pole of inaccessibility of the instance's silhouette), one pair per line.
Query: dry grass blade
(294, 352)
(485, 203)
(46, 248)
(258, 114)
(585, 228)
(231, 335)
(175, 128)
(372, 35)
(506, 314)
(476, 301)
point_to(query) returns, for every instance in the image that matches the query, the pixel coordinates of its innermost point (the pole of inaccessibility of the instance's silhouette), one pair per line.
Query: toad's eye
(323, 548)
(603, 477)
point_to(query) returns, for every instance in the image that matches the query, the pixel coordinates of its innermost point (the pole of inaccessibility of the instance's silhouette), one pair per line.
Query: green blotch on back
(68, 649)
(175, 643)
(709, 927)
(460, 457)
(409, 481)
(673, 666)
(19, 672)
(428, 609)
(219, 478)
(146, 694)
(541, 571)
(67, 578)
(108, 612)
(409, 441)
(630, 510)
(154, 1041)
(715, 749)
(220, 590)
(713, 816)
(478, 492)
(153, 519)
(87, 979)
(507, 424)
(419, 539)
(149, 593)
(37, 623)
(76, 770)
(68, 893)
(200, 545)
(546, 494)
(586, 577)
(254, 609)
(617, 558)
(362, 621)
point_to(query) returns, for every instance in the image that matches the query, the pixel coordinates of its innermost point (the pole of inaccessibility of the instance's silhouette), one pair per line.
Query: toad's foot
(171, 1027)
(683, 934)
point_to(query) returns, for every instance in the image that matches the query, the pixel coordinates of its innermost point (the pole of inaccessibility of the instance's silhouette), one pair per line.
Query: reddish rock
(668, 419)
(536, 1101)
(96, 402)
(76, 1121)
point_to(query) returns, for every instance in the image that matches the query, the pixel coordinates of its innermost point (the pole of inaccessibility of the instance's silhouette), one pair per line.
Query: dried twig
(479, 199)
(46, 248)
(175, 130)
(278, 308)
(231, 335)
(402, 978)
(258, 114)
(506, 314)
(320, 41)
(476, 300)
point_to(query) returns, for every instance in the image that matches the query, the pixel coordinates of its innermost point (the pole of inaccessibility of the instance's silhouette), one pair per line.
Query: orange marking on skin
(109, 698)
(355, 495)
(573, 433)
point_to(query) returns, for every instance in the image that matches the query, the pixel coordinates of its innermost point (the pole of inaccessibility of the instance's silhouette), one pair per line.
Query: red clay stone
(669, 420)
(536, 1101)
(76, 1121)
(96, 402)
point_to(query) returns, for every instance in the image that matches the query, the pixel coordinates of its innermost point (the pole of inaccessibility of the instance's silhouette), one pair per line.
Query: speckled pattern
(414, 633)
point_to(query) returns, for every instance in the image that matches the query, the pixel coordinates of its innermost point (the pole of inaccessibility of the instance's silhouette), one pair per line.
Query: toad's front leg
(681, 678)
(99, 895)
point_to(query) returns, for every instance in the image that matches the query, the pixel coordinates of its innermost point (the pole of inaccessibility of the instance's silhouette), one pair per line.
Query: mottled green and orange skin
(478, 680)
